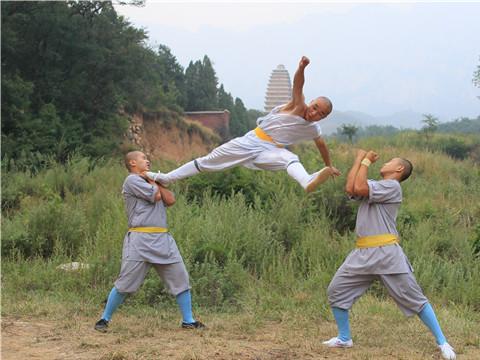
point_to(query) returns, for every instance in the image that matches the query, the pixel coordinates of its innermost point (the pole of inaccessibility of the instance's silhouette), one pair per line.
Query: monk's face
(391, 167)
(141, 162)
(318, 109)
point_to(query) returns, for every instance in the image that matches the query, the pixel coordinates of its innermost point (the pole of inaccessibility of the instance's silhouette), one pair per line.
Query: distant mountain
(401, 120)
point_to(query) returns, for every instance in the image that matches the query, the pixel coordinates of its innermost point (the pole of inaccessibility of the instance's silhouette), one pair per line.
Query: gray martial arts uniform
(377, 215)
(142, 250)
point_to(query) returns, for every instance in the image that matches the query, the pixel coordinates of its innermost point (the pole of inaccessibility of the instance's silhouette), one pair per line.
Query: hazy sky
(377, 58)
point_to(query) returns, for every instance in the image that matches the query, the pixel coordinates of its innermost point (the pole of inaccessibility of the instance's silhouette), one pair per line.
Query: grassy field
(260, 254)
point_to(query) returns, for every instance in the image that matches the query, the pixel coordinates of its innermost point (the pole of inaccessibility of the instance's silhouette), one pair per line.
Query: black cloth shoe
(194, 325)
(101, 325)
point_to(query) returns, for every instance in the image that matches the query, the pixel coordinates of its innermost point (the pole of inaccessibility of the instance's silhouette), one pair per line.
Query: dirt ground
(135, 338)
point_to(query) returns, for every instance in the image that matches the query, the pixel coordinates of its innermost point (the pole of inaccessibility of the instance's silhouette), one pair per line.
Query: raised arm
(352, 174)
(360, 186)
(297, 103)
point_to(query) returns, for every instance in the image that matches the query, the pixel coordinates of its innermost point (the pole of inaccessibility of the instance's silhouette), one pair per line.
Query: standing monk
(148, 243)
(264, 147)
(378, 255)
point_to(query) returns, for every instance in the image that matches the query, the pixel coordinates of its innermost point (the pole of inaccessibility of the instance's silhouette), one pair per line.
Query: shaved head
(407, 168)
(327, 102)
(132, 155)
(318, 109)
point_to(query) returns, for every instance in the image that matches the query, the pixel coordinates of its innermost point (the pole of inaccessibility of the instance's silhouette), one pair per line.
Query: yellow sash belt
(376, 240)
(149, 229)
(264, 136)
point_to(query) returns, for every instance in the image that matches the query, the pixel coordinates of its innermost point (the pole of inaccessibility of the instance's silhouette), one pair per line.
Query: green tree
(225, 99)
(239, 119)
(349, 130)
(201, 85)
(192, 85)
(68, 71)
(431, 125)
(173, 76)
(209, 83)
(461, 125)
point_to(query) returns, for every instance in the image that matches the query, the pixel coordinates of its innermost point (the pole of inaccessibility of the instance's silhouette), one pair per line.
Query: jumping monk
(264, 147)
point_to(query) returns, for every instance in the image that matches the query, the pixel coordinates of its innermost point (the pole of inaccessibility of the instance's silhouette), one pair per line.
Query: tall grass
(250, 240)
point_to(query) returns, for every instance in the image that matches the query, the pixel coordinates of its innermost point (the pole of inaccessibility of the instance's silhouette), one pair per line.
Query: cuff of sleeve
(370, 191)
(151, 197)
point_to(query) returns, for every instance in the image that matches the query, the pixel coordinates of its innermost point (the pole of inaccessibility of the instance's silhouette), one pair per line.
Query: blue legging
(114, 300)
(427, 315)
(184, 301)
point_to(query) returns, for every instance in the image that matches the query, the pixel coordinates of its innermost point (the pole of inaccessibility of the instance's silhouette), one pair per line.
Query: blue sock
(341, 317)
(184, 301)
(114, 300)
(427, 315)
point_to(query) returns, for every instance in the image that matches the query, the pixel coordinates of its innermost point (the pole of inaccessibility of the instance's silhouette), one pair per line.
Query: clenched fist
(372, 156)
(304, 61)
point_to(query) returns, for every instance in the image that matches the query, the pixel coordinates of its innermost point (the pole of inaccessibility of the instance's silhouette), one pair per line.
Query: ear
(132, 162)
(400, 169)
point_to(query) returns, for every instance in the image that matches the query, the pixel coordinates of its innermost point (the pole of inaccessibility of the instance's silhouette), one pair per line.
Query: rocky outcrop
(168, 136)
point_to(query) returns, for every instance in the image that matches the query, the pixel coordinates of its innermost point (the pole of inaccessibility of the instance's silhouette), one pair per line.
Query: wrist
(366, 162)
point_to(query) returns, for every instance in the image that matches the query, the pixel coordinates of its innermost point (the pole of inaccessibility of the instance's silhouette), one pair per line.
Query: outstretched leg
(115, 299)
(233, 153)
(409, 297)
(176, 279)
(283, 159)
(344, 289)
(132, 274)
(189, 169)
(427, 315)
(308, 181)
(344, 338)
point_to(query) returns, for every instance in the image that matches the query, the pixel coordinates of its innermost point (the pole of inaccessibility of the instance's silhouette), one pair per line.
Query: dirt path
(133, 338)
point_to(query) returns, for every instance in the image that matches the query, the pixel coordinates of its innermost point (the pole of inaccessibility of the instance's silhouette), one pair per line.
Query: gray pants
(346, 288)
(132, 275)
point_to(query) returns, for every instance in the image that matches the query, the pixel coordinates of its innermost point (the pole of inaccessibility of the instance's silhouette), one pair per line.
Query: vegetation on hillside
(72, 72)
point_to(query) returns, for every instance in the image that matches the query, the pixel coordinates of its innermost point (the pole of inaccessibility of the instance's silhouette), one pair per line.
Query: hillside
(167, 135)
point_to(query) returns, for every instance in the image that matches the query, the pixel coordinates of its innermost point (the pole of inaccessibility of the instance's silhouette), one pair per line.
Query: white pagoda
(279, 90)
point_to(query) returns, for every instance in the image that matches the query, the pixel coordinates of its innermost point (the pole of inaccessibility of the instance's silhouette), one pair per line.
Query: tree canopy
(72, 70)
(69, 69)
